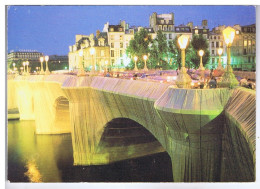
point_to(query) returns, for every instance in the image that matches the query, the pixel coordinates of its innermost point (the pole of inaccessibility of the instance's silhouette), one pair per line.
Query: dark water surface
(49, 158)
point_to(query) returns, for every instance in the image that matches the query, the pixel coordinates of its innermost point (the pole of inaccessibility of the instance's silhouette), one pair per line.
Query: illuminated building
(85, 43)
(242, 49)
(24, 55)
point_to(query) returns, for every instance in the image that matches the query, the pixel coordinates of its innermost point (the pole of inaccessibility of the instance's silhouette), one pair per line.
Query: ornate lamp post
(92, 52)
(21, 68)
(47, 72)
(81, 71)
(27, 64)
(145, 58)
(14, 67)
(183, 80)
(24, 63)
(135, 59)
(229, 79)
(106, 62)
(41, 60)
(201, 53)
(220, 51)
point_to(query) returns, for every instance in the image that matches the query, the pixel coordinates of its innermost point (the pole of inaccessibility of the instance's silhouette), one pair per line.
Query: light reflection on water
(49, 158)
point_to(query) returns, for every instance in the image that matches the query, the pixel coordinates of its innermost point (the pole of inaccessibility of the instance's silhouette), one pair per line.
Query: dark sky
(51, 29)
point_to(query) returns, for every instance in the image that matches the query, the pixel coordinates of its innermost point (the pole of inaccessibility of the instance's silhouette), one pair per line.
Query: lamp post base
(47, 72)
(81, 73)
(183, 80)
(228, 79)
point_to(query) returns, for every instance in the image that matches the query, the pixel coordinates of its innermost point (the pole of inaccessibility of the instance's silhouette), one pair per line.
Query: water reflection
(49, 158)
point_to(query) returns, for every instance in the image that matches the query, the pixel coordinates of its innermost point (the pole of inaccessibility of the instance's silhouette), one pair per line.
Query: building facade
(20, 56)
(242, 50)
(111, 44)
(90, 50)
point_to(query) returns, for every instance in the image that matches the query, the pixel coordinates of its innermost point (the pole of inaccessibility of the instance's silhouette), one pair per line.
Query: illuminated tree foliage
(166, 55)
(159, 51)
(198, 42)
(139, 46)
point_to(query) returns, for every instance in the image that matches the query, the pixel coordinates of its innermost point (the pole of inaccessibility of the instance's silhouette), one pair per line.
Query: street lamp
(220, 51)
(92, 52)
(27, 64)
(106, 62)
(41, 60)
(81, 71)
(201, 53)
(145, 58)
(47, 72)
(135, 59)
(24, 63)
(14, 66)
(183, 80)
(229, 79)
(21, 68)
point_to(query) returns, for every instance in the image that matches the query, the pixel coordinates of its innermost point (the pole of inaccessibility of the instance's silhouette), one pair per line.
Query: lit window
(102, 53)
(112, 53)
(121, 45)
(245, 43)
(237, 32)
(112, 45)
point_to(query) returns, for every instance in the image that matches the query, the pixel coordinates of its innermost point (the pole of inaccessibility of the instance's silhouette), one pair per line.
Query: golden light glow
(41, 59)
(135, 58)
(46, 58)
(27, 63)
(13, 64)
(33, 173)
(183, 41)
(220, 51)
(106, 62)
(92, 51)
(80, 52)
(229, 34)
(201, 52)
(145, 57)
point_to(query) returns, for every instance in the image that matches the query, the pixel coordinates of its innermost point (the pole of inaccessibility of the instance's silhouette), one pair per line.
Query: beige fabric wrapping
(209, 134)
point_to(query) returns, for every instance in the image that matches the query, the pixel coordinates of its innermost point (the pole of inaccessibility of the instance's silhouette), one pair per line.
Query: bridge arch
(62, 114)
(124, 138)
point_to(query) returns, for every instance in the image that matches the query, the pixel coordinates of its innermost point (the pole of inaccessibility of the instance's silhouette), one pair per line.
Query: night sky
(51, 29)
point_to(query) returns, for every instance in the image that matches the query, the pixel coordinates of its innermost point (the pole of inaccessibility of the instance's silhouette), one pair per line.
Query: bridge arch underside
(124, 139)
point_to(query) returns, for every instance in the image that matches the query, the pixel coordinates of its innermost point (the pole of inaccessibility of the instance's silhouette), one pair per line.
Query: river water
(49, 158)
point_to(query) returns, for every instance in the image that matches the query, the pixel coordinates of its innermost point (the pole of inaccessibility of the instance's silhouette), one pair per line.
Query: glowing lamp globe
(80, 52)
(135, 58)
(229, 34)
(201, 52)
(41, 59)
(92, 51)
(220, 51)
(46, 58)
(183, 41)
(145, 57)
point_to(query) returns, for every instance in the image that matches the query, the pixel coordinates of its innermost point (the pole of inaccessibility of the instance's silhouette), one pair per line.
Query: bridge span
(208, 133)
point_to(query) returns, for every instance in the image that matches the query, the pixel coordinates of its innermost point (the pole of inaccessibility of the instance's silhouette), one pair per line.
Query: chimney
(97, 33)
(205, 23)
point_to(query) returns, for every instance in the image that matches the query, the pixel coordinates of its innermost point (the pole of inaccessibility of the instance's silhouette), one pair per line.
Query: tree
(175, 54)
(198, 42)
(139, 46)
